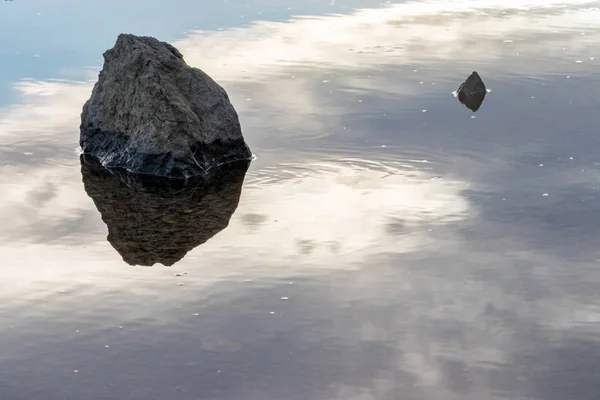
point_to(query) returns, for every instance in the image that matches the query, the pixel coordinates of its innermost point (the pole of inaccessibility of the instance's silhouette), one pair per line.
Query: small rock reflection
(159, 221)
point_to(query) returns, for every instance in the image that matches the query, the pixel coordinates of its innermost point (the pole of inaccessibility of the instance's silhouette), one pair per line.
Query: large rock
(152, 113)
(472, 92)
(152, 220)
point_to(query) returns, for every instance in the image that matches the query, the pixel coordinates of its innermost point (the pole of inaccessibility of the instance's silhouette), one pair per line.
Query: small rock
(472, 92)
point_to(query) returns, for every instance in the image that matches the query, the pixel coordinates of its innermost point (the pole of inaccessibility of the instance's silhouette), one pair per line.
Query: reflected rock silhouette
(156, 220)
(472, 92)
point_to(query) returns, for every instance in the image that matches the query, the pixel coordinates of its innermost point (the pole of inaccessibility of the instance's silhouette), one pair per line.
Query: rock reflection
(159, 221)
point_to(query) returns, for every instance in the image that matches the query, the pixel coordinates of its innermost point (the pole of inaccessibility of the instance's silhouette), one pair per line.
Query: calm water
(386, 243)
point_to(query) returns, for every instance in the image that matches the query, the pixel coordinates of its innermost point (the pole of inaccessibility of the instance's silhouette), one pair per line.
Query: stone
(155, 220)
(472, 92)
(151, 113)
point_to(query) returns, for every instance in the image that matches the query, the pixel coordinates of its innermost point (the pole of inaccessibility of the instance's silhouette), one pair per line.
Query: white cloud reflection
(319, 215)
(47, 110)
(331, 215)
(341, 204)
(402, 34)
(444, 32)
(338, 215)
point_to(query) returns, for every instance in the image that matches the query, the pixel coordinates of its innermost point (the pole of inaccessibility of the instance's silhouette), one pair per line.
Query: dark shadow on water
(152, 220)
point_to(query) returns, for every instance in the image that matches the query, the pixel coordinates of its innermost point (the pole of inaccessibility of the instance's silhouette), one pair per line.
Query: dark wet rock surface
(472, 92)
(152, 220)
(151, 113)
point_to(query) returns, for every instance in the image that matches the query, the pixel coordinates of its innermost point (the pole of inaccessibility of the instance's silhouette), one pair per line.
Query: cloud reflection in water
(403, 285)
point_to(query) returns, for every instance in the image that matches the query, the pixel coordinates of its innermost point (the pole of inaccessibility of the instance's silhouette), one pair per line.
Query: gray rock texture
(156, 220)
(151, 113)
(472, 92)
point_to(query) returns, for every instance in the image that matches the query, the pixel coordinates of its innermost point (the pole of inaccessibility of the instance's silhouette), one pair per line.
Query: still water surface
(386, 243)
